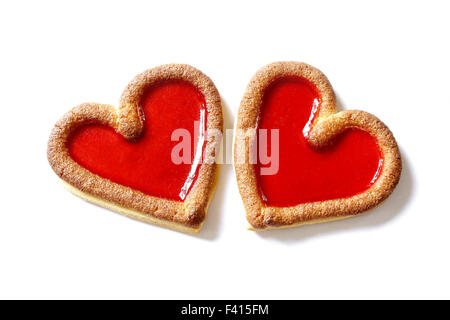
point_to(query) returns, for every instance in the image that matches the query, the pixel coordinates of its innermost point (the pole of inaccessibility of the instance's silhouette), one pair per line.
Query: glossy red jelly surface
(350, 166)
(146, 164)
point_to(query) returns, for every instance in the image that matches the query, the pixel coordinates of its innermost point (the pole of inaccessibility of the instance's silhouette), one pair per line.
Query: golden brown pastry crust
(327, 124)
(188, 215)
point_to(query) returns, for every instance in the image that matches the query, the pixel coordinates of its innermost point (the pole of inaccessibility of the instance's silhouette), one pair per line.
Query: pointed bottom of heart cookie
(304, 223)
(129, 212)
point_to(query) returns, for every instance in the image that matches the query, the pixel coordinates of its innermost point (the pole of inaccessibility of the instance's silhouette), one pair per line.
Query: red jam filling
(348, 167)
(146, 164)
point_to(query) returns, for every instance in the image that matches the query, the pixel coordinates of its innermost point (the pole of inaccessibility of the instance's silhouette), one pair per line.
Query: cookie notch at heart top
(325, 125)
(127, 120)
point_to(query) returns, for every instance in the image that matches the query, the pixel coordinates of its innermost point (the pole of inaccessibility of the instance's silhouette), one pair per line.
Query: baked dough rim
(327, 124)
(188, 215)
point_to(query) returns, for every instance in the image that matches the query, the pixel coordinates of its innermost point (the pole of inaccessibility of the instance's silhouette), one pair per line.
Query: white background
(388, 58)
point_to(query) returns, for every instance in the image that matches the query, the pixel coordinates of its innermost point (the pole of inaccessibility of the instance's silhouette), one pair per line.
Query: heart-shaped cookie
(123, 158)
(298, 160)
